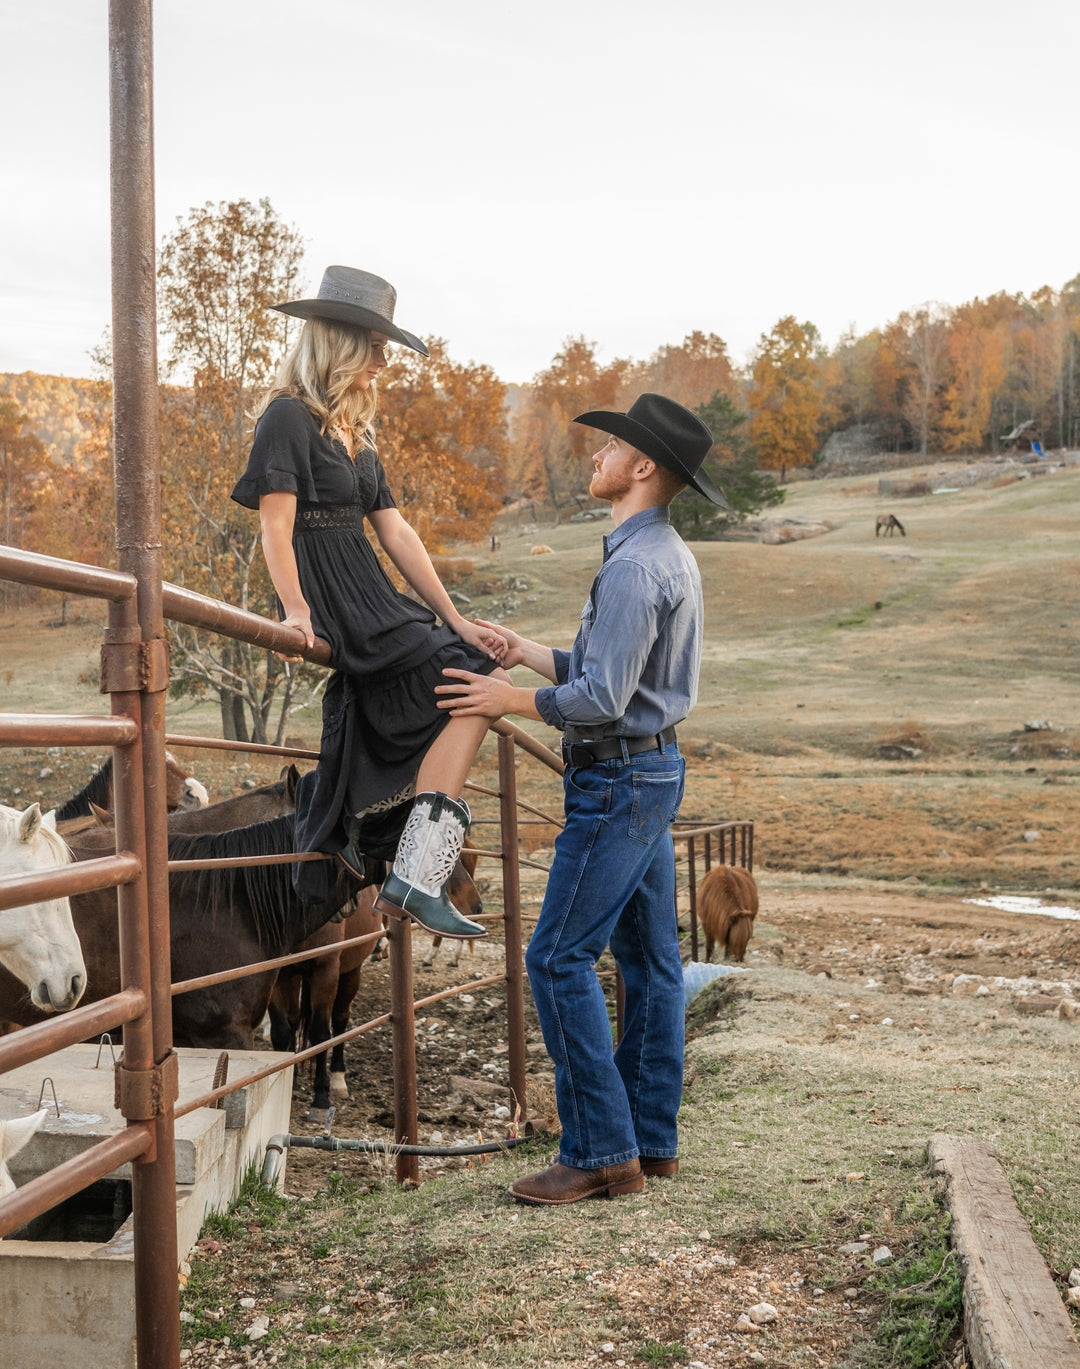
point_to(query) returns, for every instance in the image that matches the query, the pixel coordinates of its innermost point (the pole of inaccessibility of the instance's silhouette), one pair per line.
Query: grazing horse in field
(219, 918)
(727, 903)
(888, 523)
(181, 792)
(311, 1001)
(38, 943)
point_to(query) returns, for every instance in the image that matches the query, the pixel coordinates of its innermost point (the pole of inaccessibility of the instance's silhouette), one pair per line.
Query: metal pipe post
(691, 865)
(403, 1029)
(511, 881)
(146, 1080)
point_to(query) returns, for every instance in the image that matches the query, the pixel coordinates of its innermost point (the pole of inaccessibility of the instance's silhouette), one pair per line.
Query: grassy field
(900, 719)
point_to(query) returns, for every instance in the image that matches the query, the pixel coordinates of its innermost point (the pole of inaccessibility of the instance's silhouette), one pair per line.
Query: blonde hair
(319, 370)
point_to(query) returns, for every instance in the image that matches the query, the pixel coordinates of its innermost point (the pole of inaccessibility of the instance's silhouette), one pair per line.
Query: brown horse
(181, 792)
(888, 523)
(210, 1017)
(312, 1001)
(727, 903)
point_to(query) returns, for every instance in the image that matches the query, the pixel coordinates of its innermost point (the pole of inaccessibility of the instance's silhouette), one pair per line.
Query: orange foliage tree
(976, 372)
(219, 274)
(692, 373)
(550, 452)
(441, 432)
(784, 400)
(23, 461)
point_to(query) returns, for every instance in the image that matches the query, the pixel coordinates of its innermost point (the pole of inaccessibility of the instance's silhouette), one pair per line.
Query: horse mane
(267, 889)
(96, 791)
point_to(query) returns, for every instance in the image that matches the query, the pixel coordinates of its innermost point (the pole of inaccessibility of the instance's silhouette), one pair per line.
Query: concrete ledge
(72, 1301)
(1014, 1317)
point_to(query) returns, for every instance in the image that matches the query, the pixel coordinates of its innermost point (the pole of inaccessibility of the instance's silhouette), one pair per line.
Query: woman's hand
(299, 618)
(486, 637)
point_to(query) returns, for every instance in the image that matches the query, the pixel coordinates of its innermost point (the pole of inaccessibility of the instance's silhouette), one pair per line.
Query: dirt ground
(901, 721)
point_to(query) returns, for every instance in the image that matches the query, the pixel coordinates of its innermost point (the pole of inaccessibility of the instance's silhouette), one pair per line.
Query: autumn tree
(927, 349)
(692, 373)
(220, 273)
(441, 431)
(23, 458)
(975, 374)
(731, 464)
(846, 383)
(784, 398)
(551, 450)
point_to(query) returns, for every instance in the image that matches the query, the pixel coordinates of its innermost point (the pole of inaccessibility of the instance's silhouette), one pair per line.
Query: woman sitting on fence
(314, 475)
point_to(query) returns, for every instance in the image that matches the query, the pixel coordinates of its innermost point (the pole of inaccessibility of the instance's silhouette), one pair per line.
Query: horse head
(38, 943)
(182, 792)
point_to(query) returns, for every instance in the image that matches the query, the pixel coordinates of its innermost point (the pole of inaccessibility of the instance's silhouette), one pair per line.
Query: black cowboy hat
(667, 433)
(347, 295)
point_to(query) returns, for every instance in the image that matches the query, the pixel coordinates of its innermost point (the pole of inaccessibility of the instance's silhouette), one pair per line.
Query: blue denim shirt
(633, 669)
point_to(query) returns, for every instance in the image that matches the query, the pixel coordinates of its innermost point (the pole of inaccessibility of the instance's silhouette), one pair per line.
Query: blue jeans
(613, 883)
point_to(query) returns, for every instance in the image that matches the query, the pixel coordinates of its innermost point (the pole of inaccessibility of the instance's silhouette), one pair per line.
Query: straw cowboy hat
(667, 433)
(347, 295)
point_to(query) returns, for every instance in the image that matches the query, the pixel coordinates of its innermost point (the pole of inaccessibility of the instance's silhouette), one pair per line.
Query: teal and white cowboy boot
(425, 860)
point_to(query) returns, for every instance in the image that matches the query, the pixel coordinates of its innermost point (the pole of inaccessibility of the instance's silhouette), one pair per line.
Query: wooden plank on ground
(1014, 1317)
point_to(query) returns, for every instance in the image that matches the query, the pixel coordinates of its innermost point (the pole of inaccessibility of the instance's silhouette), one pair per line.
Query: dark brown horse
(311, 1001)
(219, 918)
(181, 792)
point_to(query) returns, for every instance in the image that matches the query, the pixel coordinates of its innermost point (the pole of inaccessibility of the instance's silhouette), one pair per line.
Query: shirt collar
(657, 514)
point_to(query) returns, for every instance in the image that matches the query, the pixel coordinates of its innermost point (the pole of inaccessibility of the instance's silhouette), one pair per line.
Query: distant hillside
(62, 410)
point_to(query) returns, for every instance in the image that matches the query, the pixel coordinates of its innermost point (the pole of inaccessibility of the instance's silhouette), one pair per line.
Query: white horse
(14, 1134)
(38, 942)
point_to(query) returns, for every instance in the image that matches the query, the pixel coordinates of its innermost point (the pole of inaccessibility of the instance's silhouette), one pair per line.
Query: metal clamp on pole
(135, 667)
(140, 1095)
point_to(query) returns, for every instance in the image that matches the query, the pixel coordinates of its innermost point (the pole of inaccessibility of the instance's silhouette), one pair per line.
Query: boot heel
(633, 1185)
(387, 909)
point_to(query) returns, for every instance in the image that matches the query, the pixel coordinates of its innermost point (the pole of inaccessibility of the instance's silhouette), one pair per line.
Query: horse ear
(49, 820)
(103, 816)
(15, 1133)
(291, 776)
(30, 821)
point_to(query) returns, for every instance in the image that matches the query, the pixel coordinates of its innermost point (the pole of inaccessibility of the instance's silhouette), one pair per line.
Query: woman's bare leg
(449, 758)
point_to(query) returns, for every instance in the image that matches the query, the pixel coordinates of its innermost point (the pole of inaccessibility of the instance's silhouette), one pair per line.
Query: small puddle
(1018, 903)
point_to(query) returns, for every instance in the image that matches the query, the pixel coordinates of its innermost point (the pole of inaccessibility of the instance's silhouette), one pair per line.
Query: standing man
(616, 697)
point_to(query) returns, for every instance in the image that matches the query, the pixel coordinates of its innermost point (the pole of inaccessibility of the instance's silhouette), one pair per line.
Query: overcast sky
(527, 172)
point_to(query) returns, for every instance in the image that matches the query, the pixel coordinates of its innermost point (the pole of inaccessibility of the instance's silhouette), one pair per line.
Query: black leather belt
(611, 748)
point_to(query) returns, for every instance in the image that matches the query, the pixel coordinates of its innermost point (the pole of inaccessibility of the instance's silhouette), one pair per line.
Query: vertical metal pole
(403, 1027)
(691, 862)
(147, 1044)
(511, 882)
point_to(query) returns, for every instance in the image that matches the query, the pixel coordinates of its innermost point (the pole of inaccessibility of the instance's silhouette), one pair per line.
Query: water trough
(67, 1291)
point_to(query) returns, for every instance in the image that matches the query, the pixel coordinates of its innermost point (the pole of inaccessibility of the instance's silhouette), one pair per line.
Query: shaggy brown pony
(727, 903)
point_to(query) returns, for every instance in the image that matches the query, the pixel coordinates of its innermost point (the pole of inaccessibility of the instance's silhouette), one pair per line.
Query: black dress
(387, 651)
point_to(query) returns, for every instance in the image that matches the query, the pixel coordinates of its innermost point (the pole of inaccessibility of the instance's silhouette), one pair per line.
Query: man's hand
(514, 652)
(484, 696)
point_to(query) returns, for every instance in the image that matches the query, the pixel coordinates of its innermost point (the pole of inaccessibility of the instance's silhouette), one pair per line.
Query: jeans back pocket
(656, 802)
